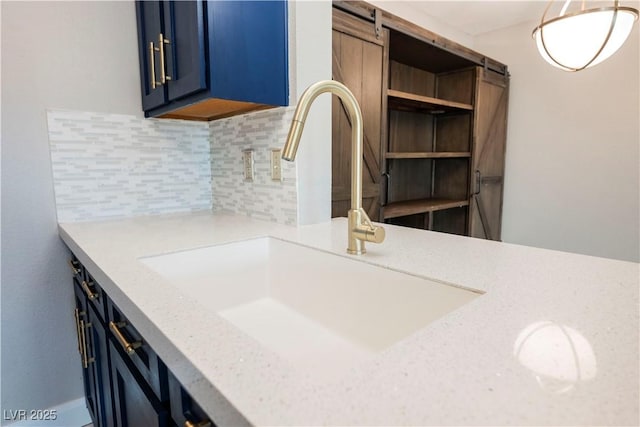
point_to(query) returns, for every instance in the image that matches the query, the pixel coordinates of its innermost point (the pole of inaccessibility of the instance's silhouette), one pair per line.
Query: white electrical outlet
(276, 165)
(247, 160)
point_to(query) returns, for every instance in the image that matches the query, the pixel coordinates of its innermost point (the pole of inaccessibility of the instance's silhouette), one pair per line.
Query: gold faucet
(360, 227)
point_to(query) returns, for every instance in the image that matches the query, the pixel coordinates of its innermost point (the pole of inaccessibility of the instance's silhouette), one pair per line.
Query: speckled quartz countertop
(552, 341)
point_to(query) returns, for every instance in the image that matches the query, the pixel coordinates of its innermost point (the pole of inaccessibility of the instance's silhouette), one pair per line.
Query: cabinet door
(149, 16)
(134, 402)
(488, 155)
(358, 64)
(185, 52)
(145, 360)
(85, 350)
(99, 368)
(248, 51)
(92, 346)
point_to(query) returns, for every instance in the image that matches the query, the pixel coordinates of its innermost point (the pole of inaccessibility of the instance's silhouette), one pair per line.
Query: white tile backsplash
(108, 166)
(263, 198)
(114, 166)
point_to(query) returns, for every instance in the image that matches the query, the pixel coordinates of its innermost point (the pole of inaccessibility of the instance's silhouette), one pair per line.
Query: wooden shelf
(412, 207)
(427, 155)
(410, 101)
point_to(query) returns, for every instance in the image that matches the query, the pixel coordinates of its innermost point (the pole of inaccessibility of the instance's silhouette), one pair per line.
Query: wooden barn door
(357, 63)
(487, 180)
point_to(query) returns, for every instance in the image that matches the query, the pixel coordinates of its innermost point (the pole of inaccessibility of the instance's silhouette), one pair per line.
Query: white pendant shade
(577, 41)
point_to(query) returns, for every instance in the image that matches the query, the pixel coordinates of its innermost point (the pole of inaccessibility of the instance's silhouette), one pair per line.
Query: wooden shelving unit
(429, 143)
(434, 124)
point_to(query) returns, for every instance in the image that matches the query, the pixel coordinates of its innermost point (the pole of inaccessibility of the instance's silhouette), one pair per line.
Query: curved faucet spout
(360, 227)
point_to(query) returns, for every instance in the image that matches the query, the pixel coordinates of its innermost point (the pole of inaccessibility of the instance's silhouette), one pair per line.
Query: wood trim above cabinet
(212, 109)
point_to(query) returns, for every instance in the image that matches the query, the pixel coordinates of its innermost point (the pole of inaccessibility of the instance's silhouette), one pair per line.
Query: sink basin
(312, 307)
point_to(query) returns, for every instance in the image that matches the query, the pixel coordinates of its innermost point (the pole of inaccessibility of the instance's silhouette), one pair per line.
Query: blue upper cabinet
(204, 60)
(249, 54)
(149, 29)
(186, 49)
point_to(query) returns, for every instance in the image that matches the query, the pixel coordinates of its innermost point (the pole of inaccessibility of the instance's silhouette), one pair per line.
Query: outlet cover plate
(248, 165)
(276, 164)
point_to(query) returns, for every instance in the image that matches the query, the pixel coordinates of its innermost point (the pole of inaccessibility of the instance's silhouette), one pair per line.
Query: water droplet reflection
(559, 356)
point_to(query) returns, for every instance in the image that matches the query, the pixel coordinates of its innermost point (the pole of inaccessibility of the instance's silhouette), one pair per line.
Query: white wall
(572, 180)
(311, 26)
(69, 55)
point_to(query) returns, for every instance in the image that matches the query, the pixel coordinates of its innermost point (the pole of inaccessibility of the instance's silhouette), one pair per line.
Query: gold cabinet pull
(90, 294)
(74, 266)
(76, 314)
(163, 73)
(83, 339)
(129, 348)
(205, 423)
(152, 64)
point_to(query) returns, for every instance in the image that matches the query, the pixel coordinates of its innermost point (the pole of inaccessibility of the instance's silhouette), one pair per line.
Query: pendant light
(573, 41)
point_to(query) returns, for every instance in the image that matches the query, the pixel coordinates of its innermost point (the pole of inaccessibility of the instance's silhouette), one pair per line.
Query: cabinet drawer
(77, 269)
(131, 345)
(90, 288)
(96, 296)
(184, 410)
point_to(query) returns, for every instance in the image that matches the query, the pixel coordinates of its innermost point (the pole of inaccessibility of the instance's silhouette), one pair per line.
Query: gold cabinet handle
(163, 74)
(90, 294)
(76, 314)
(129, 348)
(74, 266)
(83, 339)
(205, 423)
(152, 64)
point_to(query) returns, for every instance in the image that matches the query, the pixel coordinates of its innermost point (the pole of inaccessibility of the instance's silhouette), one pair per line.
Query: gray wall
(572, 180)
(70, 55)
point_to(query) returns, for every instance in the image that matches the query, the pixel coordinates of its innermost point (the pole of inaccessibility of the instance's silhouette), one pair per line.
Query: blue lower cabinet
(94, 359)
(209, 59)
(126, 383)
(99, 368)
(138, 353)
(135, 404)
(81, 319)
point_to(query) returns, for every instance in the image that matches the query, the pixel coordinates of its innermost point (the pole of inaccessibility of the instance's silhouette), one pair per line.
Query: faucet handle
(361, 230)
(375, 234)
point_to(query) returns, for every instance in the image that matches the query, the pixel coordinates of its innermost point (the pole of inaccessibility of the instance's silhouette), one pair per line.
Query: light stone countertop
(554, 340)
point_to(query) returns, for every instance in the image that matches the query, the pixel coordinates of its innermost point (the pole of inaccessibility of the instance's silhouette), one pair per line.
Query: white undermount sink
(314, 308)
